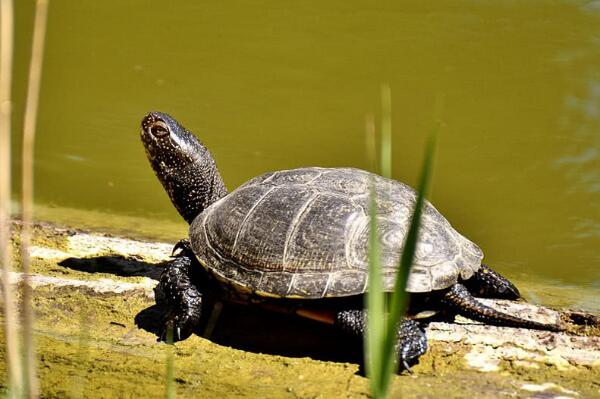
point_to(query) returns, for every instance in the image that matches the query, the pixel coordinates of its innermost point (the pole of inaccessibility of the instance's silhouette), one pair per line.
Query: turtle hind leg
(178, 288)
(460, 300)
(488, 283)
(412, 341)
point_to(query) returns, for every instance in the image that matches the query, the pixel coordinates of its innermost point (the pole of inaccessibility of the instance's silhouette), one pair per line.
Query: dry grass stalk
(10, 321)
(30, 118)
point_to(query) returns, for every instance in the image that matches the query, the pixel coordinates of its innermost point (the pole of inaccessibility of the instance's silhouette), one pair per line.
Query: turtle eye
(159, 129)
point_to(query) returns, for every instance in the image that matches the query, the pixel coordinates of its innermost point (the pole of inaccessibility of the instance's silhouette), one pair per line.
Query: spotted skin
(459, 299)
(180, 287)
(412, 342)
(487, 283)
(182, 163)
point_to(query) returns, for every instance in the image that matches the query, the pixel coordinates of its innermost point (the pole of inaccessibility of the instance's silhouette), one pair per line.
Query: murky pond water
(270, 86)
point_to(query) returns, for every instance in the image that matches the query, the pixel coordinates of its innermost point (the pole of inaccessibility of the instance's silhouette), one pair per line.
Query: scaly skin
(459, 299)
(412, 342)
(183, 165)
(487, 283)
(180, 288)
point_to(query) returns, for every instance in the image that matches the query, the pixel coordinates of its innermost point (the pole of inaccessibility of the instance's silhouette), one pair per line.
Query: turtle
(296, 241)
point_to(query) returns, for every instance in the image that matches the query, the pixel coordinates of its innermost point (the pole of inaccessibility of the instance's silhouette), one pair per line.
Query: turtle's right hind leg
(459, 299)
(488, 283)
(179, 288)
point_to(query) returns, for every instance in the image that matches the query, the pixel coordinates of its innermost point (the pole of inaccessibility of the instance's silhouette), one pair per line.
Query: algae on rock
(92, 292)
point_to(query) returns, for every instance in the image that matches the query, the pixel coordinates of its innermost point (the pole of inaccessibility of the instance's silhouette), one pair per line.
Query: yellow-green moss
(88, 345)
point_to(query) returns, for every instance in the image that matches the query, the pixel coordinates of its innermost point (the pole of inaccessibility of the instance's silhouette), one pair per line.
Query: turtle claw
(163, 334)
(183, 246)
(176, 327)
(412, 343)
(182, 298)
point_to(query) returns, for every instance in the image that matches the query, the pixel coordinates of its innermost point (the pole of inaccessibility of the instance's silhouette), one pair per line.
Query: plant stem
(31, 106)
(10, 322)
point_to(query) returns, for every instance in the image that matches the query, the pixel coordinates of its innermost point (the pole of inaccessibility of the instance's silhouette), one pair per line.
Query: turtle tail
(462, 302)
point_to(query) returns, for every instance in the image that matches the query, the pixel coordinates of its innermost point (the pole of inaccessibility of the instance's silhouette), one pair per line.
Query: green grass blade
(381, 337)
(375, 306)
(375, 297)
(399, 296)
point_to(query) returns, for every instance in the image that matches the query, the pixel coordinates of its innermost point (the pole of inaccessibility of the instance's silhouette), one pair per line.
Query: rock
(93, 291)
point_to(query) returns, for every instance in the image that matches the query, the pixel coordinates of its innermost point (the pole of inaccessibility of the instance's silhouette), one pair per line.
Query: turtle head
(169, 145)
(183, 165)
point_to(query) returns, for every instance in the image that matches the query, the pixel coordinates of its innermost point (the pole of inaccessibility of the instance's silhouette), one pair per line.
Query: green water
(274, 85)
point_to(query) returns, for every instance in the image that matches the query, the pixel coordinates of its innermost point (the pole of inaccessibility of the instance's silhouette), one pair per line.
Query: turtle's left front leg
(180, 288)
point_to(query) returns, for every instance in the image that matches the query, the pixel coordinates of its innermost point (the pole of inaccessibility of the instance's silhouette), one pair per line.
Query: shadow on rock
(259, 331)
(115, 264)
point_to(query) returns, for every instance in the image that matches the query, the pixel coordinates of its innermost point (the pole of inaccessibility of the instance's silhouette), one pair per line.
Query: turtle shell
(303, 233)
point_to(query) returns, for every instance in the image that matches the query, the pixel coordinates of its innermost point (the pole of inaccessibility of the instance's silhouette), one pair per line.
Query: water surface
(269, 86)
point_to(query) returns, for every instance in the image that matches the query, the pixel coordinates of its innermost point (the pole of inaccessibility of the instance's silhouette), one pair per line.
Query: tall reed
(10, 321)
(385, 311)
(30, 384)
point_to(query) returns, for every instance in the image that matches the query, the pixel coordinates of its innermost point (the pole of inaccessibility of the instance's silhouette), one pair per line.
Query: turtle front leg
(488, 283)
(412, 341)
(179, 288)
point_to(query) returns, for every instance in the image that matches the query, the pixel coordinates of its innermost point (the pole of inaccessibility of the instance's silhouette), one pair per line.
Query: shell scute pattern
(308, 285)
(317, 243)
(294, 176)
(255, 181)
(250, 277)
(345, 281)
(276, 283)
(390, 234)
(435, 245)
(347, 181)
(444, 275)
(263, 235)
(419, 279)
(304, 233)
(225, 217)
